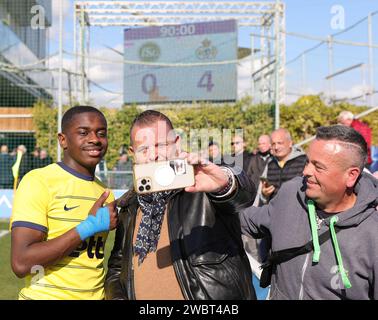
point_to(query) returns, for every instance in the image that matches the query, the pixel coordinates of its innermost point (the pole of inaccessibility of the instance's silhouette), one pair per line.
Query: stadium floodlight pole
(277, 66)
(371, 59)
(304, 84)
(363, 81)
(252, 67)
(75, 52)
(60, 89)
(330, 65)
(82, 48)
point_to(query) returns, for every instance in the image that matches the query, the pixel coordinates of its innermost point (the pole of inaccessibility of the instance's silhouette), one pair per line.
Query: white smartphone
(162, 175)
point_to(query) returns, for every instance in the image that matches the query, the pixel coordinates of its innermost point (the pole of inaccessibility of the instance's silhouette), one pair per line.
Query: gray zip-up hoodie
(351, 253)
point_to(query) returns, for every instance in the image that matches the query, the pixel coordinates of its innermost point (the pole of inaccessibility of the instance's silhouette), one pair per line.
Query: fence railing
(116, 179)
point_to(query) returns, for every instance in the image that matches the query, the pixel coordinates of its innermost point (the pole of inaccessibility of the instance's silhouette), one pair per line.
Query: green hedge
(301, 118)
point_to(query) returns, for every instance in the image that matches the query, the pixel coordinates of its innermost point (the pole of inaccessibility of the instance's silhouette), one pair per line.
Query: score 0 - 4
(149, 83)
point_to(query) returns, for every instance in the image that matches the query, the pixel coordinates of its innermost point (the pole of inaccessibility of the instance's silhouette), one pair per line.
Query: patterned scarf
(153, 207)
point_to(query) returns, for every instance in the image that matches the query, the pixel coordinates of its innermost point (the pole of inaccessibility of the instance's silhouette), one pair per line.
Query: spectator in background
(260, 159)
(35, 158)
(13, 153)
(124, 178)
(239, 156)
(26, 162)
(43, 159)
(257, 248)
(102, 171)
(123, 149)
(214, 153)
(346, 118)
(6, 163)
(287, 162)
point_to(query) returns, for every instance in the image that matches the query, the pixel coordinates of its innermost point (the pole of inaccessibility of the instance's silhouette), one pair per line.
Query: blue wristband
(94, 224)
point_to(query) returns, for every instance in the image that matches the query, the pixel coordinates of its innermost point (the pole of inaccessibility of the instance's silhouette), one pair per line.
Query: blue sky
(314, 17)
(311, 17)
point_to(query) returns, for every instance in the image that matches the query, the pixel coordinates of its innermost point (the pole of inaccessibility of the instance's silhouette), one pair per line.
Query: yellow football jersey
(55, 199)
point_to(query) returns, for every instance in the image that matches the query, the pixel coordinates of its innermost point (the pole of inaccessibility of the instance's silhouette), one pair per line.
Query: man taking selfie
(184, 243)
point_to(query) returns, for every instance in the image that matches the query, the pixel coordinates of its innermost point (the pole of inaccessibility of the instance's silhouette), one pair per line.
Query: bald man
(260, 159)
(287, 162)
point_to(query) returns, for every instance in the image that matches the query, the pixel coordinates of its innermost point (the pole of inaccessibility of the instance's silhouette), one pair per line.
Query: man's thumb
(100, 201)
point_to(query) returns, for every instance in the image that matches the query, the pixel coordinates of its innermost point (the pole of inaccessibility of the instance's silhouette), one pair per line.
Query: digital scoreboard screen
(184, 44)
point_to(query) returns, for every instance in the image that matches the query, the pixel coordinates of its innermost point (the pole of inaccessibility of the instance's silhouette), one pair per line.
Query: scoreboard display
(167, 56)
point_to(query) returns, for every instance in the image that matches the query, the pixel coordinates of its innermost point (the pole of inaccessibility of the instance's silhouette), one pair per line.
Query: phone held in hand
(265, 181)
(162, 175)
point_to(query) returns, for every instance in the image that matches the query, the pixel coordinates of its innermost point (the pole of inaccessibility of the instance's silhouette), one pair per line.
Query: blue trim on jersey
(74, 172)
(29, 225)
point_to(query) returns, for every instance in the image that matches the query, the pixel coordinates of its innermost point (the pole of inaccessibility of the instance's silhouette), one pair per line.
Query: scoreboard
(154, 80)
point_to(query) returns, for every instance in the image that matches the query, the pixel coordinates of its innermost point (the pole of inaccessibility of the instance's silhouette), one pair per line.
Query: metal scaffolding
(366, 66)
(268, 17)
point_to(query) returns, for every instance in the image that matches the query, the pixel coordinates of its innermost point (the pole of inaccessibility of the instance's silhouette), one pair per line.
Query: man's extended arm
(255, 221)
(242, 196)
(211, 178)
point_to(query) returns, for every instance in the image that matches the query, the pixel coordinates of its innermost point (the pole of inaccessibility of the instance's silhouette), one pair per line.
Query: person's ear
(131, 152)
(62, 140)
(352, 175)
(178, 145)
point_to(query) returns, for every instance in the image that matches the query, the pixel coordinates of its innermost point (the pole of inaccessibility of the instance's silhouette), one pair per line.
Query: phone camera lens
(144, 181)
(141, 188)
(148, 187)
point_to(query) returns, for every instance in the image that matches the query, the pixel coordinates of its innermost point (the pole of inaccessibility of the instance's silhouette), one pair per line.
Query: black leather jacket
(204, 235)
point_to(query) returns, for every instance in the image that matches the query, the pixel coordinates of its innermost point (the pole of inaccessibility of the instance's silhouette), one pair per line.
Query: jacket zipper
(131, 270)
(174, 263)
(304, 268)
